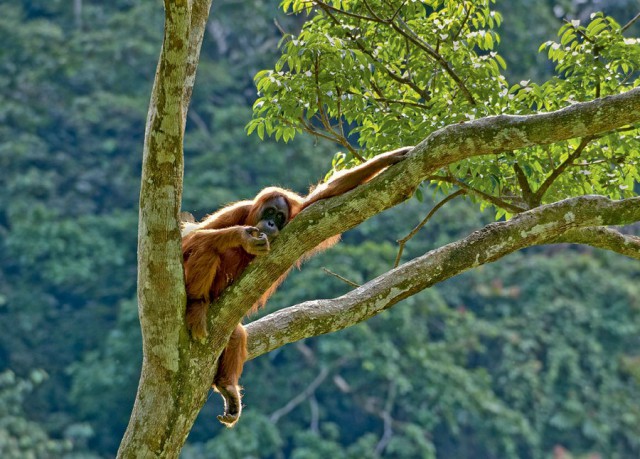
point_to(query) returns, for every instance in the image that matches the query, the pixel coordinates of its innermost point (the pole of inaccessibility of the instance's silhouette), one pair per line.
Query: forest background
(532, 356)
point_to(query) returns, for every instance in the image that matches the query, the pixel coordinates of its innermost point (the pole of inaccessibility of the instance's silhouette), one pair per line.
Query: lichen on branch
(571, 220)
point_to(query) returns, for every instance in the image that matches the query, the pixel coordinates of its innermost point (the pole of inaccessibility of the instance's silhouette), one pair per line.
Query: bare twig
(393, 17)
(375, 15)
(315, 414)
(470, 190)
(630, 23)
(464, 22)
(279, 27)
(536, 199)
(431, 213)
(527, 193)
(343, 279)
(308, 127)
(387, 419)
(301, 397)
(352, 150)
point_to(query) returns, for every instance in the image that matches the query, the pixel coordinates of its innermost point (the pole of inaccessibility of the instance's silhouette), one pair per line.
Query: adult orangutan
(217, 250)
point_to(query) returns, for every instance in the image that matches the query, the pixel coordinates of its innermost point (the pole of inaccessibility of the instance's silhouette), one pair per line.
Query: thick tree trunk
(173, 383)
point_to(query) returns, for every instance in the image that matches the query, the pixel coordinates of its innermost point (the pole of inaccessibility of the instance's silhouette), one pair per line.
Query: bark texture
(164, 408)
(559, 221)
(486, 136)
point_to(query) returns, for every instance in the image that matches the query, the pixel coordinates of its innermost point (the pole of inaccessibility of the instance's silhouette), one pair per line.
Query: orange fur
(217, 250)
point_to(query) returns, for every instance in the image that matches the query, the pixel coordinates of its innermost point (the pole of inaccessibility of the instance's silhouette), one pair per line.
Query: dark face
(274, 215)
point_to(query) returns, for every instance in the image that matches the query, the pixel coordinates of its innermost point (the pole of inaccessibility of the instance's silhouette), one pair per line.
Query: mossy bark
(550, 223)
(482, 137)
(170, 391)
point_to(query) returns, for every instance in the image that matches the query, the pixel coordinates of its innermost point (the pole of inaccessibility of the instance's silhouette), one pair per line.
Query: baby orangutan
(217, 250)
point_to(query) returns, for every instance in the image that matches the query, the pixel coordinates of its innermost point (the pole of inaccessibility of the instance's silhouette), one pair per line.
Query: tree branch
(408, 33)
(539, 194)
(630, 23)
(326, 7)
(527, 194)
(541, 225)
(604, 238)
(301, 397)
(358, 42)
(491, 135)
(496, 201)
(162, 390)
(338, 276)
(402, 242)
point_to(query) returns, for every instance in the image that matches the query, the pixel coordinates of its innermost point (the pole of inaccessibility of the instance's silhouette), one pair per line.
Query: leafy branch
(407, 32)
(358, 42)
(397, 24)
(338, 137)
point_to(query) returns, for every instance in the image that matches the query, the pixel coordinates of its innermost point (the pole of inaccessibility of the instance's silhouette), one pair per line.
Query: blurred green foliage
(511, 360)
(21, 438)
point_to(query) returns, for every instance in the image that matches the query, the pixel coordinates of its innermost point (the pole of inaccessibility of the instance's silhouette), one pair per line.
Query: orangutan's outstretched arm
(349, 179)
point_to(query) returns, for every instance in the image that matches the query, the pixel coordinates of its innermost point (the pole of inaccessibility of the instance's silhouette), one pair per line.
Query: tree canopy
(374, 75)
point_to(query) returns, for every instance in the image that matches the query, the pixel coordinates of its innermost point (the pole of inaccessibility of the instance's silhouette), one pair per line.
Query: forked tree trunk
(176, 371)
(174, 381)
